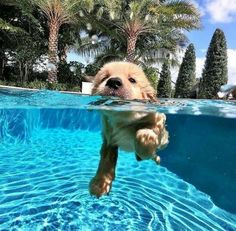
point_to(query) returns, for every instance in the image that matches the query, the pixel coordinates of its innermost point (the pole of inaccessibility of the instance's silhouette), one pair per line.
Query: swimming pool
(49, 151)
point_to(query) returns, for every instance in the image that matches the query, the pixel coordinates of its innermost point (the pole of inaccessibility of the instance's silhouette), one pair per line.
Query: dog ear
(150, 95)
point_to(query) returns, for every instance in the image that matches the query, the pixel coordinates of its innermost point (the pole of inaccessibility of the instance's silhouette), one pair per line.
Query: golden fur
(124, 70)
(142, 133)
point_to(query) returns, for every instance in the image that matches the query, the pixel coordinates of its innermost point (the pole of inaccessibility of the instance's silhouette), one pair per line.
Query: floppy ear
(95, 80)
(150, 95)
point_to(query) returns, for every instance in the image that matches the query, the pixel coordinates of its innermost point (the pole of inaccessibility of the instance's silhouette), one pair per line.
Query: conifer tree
(187, 75)
(215, 72)
(164, 83)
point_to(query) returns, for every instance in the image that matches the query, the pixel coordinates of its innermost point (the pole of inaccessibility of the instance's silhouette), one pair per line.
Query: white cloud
(223, 11)
(199, 66)
(200, 61)
(231, 66)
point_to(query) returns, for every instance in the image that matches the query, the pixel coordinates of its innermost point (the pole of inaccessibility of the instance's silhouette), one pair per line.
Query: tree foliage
(152, 75)
(22, 42)
(164, 83)
(215, 72)
(187, 74)
(31, 30)
(139, 29)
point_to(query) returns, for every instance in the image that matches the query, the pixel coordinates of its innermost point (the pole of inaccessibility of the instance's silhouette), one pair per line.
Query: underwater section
(202, 151)
(18, 124)
(44, 186)
(49, 151)
(48, 157)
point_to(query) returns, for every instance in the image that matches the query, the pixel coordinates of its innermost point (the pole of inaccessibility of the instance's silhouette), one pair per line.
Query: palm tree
(149, 49)
(59, 12)
(140, 18)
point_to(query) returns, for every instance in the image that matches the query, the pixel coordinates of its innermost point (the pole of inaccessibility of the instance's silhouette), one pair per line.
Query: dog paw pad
(100, 186)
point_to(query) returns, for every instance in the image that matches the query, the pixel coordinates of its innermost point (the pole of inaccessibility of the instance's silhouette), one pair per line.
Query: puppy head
(124, 80)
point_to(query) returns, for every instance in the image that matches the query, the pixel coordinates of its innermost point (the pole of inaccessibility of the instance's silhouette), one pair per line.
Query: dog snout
(114, 83)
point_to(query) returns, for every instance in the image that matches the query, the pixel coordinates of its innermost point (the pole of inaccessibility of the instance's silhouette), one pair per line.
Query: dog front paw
(100, 185)
(146, 143)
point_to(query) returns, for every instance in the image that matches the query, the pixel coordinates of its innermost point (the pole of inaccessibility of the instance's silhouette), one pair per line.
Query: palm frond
(157, 26)
(177, 14)
(89, 49)
(63, 10)
(10, 28)
(109, 55)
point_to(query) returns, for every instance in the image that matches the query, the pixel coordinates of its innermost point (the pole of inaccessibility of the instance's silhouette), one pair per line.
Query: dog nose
(114, 83)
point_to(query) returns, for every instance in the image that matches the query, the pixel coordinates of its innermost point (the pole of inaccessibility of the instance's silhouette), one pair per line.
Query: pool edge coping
(36, 89)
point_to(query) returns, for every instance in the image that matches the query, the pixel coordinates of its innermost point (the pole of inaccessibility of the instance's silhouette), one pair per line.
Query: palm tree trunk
(2, 64)
(131, 45)
(21, 72)
(53, 49)
(26, 72)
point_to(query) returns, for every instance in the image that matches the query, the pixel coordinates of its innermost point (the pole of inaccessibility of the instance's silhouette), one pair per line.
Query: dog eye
(103, 79)
(132, 80)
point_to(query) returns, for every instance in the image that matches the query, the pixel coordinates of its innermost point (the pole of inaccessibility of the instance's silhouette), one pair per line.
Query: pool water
(49, 151)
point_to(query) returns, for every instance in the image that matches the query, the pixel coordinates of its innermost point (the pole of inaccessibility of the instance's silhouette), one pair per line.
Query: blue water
(49, 151)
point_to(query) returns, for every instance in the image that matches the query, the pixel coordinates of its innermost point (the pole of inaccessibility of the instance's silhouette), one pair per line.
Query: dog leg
(148, 140)
(146, 143)
(101, 183)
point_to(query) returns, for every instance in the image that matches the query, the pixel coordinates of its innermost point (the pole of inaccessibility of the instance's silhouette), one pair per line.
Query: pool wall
(201, 149)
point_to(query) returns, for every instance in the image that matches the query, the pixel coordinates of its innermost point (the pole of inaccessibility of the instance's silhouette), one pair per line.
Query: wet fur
(142, 133)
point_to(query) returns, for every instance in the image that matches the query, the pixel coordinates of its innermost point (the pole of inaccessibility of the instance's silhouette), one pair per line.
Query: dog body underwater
(139, 132)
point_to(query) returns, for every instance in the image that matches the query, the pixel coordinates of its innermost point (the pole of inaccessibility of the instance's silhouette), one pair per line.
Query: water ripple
(13, 99)
(44, 186)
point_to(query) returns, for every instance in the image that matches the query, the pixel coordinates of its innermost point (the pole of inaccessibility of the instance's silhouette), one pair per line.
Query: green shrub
(152, 75)
(37, 84)
(63, 87)
(66, 76)
(76, 89)
(92, 69)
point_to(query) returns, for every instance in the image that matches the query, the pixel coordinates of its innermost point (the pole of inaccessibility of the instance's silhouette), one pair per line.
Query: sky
(214, 14)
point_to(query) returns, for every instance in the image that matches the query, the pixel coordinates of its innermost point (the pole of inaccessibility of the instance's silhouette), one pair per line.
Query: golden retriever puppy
(139, 132)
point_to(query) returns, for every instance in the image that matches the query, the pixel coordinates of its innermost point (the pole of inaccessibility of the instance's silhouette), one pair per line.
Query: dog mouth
(121, 93)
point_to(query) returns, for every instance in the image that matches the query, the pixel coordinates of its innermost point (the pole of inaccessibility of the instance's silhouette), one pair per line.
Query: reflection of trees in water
(203, 107)
(217, 108)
